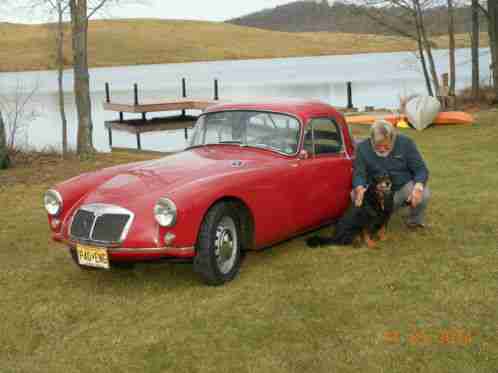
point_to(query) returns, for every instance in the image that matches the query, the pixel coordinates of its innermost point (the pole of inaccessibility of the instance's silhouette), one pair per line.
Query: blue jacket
(404, 163)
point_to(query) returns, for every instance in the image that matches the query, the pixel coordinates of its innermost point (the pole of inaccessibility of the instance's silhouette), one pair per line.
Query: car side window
(308, 140)
(326, 136)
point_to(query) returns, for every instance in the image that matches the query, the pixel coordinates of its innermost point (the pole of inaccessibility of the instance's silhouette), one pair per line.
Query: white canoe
(421, 111)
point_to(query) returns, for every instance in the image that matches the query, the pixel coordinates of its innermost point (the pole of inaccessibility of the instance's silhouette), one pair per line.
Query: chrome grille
(109, 227)
(82, 224)
(101, 223)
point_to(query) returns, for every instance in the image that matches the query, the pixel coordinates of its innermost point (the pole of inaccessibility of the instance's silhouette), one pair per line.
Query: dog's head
(382, 183)
(382, 191)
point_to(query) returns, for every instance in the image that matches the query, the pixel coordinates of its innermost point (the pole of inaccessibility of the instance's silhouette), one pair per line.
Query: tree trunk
(451, 35)
(475, 49)
(4, 155)
(423, 61)
(60, 75)
(79, 23)
(493, 40)
(427, 46)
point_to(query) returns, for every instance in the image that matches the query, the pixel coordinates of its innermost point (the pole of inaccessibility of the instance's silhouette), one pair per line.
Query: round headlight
(53, 202)
(165, 212)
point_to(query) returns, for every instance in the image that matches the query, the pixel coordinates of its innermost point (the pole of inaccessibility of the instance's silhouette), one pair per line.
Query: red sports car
(253, 175)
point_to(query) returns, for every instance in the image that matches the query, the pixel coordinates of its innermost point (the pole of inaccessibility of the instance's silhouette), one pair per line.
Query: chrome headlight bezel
(165, 212)
(52, 200)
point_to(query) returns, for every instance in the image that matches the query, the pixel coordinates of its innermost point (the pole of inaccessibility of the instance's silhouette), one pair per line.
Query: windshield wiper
(231, 142)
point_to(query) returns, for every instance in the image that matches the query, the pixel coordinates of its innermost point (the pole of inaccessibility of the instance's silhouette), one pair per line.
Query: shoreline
(115, 43)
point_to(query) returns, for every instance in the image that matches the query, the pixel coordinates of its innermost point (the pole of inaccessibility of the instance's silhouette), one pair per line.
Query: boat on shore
(442, 118)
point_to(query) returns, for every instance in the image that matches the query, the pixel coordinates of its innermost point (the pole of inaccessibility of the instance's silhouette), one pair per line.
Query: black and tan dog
(367, 220)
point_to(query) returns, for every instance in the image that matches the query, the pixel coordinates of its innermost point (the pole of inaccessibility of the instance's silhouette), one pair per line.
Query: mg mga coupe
(253, 175)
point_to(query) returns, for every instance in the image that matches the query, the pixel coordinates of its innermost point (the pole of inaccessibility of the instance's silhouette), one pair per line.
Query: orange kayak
(443, 118)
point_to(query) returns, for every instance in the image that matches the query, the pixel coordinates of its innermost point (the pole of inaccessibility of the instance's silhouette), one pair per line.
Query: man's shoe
(415, 226)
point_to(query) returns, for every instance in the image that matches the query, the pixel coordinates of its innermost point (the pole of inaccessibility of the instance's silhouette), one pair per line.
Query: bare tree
(4, 154)
(475, 49)
(79, 27)
(427, 43)
(61, 8)
(17, 113)
(492, 13)
(410, 12)
(451, 37)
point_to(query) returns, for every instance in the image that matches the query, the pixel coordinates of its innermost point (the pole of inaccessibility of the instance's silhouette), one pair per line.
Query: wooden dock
(162, 123)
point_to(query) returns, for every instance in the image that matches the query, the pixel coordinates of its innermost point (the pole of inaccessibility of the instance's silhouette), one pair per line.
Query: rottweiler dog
(367, 220)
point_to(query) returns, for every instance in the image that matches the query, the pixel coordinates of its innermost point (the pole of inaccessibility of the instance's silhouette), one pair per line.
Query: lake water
(378, 80)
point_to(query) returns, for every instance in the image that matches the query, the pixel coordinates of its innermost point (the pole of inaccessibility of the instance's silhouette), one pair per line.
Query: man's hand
(359, 193)
(416, 196)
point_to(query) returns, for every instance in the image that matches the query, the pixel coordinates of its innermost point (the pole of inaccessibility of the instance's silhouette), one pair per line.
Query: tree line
(352, 17)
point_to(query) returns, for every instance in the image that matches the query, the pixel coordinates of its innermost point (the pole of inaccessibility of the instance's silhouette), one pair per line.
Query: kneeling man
(396, 154)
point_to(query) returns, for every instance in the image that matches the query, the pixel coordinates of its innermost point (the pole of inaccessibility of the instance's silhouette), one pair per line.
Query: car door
(326, 174)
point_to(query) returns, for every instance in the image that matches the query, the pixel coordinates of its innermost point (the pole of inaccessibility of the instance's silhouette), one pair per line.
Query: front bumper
(137, 254)
(152, 253)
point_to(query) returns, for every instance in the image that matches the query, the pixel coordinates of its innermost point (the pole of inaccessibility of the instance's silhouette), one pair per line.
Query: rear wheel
(219, 244)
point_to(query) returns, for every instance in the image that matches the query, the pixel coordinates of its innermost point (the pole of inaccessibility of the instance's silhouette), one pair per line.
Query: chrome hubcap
(226, 244)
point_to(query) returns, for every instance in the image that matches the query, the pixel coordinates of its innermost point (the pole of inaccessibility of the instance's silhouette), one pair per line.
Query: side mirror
(303, 154)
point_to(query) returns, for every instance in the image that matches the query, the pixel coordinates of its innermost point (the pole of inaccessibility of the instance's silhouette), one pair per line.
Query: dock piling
(184, 87)
(184, 92)
(216, 93)
(135, 90)
(107, 93)
(184, 95)
(109, 130)
(350, 95)
(139, 143)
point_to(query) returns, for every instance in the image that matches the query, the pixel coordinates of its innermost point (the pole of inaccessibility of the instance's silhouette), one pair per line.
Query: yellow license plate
(92, 256)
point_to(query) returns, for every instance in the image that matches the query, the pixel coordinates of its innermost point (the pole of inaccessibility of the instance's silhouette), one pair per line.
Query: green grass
(145, 41)
(292, 309)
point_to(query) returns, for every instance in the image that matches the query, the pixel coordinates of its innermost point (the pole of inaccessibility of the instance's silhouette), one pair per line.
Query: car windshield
(278, 132)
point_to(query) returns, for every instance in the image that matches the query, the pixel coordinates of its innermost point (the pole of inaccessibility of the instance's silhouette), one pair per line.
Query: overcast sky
(214, 10)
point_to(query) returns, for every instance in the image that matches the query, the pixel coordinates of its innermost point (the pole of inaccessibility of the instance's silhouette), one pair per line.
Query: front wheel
(219, 245)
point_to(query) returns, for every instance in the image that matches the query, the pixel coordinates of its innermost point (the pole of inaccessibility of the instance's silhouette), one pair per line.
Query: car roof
(303, 109)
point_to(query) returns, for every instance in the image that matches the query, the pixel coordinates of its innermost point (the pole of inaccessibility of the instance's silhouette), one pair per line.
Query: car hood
(163, 175)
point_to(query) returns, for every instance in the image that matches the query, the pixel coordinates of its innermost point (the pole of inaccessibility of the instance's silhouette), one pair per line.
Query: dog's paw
(314, 241)
(372, 245)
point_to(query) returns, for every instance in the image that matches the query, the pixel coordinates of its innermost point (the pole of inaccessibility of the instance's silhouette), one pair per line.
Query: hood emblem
(236, 163)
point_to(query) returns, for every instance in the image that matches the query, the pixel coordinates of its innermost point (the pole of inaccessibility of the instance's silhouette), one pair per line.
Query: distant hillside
(133, 42)
(310, 16)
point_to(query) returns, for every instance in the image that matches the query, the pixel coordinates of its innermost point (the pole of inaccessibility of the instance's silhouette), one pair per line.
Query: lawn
(425, 302)
(147, 41)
